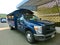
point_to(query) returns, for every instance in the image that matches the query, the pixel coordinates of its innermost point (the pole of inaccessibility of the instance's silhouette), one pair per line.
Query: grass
(46, 10)
(2, 15)
(57, 24)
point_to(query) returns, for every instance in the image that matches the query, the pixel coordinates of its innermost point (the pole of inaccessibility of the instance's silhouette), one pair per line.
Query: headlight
(38, 29)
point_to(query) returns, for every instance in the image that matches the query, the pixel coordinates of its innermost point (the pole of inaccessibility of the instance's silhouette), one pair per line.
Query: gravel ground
(3, 25)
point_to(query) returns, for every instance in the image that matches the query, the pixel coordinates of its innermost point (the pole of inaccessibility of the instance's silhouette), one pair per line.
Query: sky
(7, 6)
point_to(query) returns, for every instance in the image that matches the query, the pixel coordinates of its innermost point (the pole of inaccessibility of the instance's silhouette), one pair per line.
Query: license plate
(52, 36)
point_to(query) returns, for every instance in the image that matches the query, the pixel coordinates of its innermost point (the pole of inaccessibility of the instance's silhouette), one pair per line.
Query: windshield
(32, 17)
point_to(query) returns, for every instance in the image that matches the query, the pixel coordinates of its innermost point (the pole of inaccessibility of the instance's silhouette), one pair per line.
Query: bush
(57, 24)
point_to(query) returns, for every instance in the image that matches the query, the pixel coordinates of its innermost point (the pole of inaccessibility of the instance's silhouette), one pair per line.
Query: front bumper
(41, 37)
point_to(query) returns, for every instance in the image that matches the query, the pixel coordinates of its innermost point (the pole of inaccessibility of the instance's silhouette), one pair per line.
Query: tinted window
(9, 17)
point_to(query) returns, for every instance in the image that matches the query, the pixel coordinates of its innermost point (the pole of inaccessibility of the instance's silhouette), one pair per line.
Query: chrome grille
(48, 29)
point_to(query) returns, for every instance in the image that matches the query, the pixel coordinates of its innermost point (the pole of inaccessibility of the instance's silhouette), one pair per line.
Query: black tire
(11, 28)
(31, 38)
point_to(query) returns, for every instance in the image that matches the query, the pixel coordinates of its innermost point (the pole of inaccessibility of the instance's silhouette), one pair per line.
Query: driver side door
(20, 24)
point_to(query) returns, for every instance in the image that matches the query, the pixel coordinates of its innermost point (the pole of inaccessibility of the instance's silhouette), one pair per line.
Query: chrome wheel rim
(29, 37)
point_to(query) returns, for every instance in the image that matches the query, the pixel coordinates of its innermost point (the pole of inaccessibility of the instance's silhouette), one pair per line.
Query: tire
(30, 37)
(11, 28)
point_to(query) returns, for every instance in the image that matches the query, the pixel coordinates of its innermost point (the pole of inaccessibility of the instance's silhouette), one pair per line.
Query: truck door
(20, 23)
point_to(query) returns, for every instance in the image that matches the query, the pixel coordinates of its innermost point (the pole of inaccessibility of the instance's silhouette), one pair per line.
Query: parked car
(3, 20)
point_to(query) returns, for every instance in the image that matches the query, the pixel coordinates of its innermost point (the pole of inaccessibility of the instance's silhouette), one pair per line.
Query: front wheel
(30, 37)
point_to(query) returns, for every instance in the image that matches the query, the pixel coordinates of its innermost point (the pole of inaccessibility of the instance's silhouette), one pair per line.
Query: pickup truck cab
(31, 26)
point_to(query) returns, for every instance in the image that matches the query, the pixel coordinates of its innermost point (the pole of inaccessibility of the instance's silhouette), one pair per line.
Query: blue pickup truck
(33, 27)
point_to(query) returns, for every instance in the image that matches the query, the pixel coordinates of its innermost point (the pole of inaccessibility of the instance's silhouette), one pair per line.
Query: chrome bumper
(42, 37)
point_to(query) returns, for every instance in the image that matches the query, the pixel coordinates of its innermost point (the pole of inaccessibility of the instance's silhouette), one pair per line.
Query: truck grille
(48, 29)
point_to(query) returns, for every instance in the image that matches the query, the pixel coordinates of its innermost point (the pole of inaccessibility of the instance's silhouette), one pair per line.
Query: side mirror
(21, 19)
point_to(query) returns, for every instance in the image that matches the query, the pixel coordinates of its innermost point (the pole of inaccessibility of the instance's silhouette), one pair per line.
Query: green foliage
(57, 24)
(2, 15)
(46, 10)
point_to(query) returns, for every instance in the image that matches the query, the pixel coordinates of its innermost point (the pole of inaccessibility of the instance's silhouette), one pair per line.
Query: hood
(46, 22)
(41, 23)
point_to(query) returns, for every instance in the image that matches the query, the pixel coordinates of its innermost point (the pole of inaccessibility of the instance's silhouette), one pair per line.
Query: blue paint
(23, 23)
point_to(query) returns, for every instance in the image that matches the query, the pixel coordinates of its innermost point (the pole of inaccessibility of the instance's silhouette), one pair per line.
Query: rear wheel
(30, 37)
(11, 28)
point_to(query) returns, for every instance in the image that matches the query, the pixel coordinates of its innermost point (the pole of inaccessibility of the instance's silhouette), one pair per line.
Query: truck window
(9, 17)
(31, 17)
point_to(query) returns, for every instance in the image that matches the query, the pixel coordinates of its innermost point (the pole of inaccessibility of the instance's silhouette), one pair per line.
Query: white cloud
(7, 6)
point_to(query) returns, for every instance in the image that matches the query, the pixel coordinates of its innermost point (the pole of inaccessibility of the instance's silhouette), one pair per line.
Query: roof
(32, 4)
(21, 11)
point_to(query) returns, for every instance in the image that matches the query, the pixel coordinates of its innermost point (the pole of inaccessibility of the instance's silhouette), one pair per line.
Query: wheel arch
(28, 29)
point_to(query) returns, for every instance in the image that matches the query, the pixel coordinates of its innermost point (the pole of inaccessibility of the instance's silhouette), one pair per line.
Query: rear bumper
(41, 37)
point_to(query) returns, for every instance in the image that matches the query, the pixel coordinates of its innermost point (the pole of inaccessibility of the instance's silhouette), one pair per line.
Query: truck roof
(21, 11)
